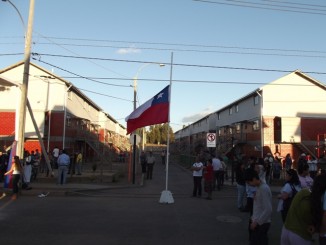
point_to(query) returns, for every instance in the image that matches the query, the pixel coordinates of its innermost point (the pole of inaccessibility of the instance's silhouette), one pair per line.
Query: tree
(158, 134)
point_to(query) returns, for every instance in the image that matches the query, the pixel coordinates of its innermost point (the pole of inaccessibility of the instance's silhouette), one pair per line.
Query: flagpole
(166, 195)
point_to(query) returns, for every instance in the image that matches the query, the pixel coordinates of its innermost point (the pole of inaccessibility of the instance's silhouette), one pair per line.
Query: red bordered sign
(211, 139)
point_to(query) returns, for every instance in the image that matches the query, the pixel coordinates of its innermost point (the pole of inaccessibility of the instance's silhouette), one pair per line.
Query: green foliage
(158, 134)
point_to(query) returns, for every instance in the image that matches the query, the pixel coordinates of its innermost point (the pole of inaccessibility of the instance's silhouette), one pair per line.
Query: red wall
(310, 128)
(56, 124)
(7, 123)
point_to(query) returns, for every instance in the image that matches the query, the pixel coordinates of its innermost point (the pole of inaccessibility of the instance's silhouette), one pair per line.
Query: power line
(209, 51)
(302, 4)
(200, 46)
(283, 5)
(13, 54)
(105, 95)
(259, 6)
(61, 46)
(181, 44)
(181, 81)
(80, 76)
(176, 64)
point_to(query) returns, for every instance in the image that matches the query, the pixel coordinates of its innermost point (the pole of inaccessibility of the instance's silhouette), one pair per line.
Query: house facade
(285, 116)
(65, 117)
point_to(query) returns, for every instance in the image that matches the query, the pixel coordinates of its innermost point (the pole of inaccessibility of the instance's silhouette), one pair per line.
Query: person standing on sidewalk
(218, 168)
(197, 173)
(55, 154)
(208, 179)
(241, 184)
(150, 165)
(143, 164)
(79, 160)
(63, 164)
(262, 209)
(16, 170)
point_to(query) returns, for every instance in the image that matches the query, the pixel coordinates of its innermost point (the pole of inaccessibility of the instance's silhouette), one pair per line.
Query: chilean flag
(154, 111)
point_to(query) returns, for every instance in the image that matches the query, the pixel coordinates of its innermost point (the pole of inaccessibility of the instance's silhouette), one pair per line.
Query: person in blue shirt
(63, 166)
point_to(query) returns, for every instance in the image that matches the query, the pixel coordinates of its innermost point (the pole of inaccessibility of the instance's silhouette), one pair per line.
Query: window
(236, 108)
(255, 125)
(238, 127)
(256, 100)
(230, 111)
(218, 116)
(230, 130)
(68, 121)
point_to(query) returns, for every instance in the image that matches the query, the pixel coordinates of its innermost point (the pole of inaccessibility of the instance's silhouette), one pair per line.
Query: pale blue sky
(207, 39)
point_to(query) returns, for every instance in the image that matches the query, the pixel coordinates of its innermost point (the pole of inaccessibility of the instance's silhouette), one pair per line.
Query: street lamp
(24, 86)
(135, 106)
(135, 93)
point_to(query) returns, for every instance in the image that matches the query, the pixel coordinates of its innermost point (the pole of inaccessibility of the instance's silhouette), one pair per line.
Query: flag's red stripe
(156, 114)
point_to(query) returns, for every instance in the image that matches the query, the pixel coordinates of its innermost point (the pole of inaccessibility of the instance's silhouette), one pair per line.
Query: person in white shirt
(305, 180)
(55, 154)
(312, 166)
(197, 173)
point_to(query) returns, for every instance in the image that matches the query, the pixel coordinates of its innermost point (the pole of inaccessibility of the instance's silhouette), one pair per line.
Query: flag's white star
(160, 95)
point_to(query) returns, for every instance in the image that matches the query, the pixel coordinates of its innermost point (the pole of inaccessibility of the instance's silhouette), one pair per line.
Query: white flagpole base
(166, 197)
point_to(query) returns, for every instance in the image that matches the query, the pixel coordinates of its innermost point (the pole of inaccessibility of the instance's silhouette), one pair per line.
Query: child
(208, 179)
(262, 208)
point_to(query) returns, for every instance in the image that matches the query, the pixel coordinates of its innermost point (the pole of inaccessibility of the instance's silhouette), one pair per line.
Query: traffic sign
(211, 139)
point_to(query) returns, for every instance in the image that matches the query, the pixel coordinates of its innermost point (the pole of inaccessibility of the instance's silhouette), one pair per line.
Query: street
(130, 215)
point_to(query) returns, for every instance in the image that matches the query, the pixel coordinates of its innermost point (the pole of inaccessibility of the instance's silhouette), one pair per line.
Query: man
(55, 154)
(218, 171)
(262, 209)
(197, 173)
(63, 164)
(150, 165)
(143, 164)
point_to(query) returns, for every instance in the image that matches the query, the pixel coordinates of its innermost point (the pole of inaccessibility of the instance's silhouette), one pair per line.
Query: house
(285, 116)
(65, 117)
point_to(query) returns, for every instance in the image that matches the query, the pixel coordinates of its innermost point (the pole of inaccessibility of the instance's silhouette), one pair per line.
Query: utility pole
(24, 86)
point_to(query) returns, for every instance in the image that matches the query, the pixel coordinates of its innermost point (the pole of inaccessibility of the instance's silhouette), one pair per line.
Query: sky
(213, 52)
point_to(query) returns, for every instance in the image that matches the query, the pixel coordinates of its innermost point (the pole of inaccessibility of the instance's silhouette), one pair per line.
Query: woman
(15, 170)
(305, 180)
(318, 204)
(291, 186)
(305, 216)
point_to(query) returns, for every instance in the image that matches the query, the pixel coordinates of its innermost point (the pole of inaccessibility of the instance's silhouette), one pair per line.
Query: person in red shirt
(208, 179)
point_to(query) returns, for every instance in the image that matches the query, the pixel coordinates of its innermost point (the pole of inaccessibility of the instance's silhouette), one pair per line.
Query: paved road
(128, 214)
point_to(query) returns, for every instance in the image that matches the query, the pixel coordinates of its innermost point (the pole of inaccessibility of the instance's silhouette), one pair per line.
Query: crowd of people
(212, 170)
(26, 170)
(302, 203)
(302, 198)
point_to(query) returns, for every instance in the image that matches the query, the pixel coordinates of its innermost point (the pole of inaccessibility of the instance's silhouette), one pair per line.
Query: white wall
(247, 111)
(294, 96)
